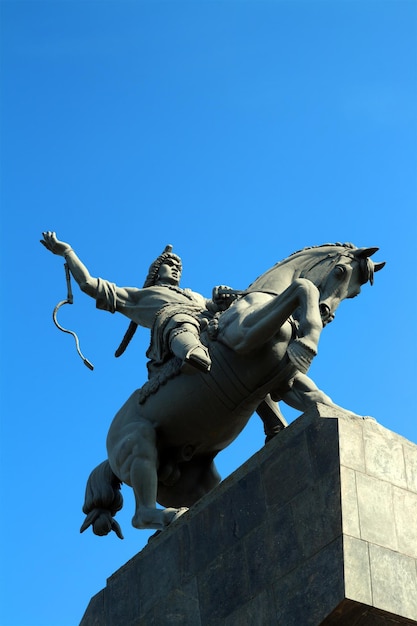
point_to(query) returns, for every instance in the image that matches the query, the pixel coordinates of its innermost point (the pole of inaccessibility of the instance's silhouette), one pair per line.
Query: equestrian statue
(212, 364)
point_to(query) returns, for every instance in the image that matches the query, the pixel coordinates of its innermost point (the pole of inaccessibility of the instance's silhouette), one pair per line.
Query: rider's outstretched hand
(53, 244)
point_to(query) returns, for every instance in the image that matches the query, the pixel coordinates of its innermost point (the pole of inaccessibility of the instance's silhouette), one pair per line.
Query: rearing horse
(162, 443)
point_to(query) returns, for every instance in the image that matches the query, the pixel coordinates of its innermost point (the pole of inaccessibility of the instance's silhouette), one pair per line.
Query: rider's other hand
(53, 244)
(218, 293)
(223, 296)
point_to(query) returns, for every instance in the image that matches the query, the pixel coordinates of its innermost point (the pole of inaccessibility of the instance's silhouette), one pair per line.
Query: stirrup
(196, 359)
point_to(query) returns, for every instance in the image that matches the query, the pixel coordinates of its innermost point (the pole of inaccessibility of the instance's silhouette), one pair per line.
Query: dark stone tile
(179, 608)
(238, 510)
(289, 473)
(259, 611)
(136, 587)
(204, 537)
(148, 619)
(122, 597)
(310, 592)
(272, 550)
(94, 614)
(223, 586)
(323, 444)
(168, 565)
(317, 514)
(243, 506)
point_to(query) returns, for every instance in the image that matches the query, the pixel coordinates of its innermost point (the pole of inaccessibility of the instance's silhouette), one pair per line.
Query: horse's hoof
(301, 355)
(175, 513)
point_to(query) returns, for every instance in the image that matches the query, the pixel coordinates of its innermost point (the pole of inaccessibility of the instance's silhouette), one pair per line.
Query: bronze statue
(163, 440)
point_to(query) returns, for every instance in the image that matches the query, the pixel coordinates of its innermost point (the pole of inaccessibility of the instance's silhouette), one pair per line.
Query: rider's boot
(188, 347)
(197, 358)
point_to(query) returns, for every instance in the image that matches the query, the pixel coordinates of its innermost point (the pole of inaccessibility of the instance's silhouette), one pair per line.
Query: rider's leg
(185, 344)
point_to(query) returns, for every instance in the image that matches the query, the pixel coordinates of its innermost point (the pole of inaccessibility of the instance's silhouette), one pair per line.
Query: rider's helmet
(152, 276)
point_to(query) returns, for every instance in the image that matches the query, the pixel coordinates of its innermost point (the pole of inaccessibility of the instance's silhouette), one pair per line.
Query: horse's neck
(277, 278)
(312, 265)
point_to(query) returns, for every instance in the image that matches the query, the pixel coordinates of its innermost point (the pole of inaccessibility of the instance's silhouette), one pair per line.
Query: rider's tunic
(162, 308)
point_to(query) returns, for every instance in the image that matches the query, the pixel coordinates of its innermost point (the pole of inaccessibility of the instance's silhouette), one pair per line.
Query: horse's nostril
(324, 310)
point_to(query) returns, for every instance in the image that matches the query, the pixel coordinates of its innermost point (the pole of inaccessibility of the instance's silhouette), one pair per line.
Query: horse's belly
(210, 410)
(196, 412)
(204, 411)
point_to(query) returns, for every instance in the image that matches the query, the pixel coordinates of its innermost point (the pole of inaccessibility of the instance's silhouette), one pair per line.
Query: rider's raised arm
(94, 287)
(108, 296)
(79, 271)
(125, 300)
(82, 276)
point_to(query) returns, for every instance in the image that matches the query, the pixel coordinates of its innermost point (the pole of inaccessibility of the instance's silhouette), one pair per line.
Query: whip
(69, 300)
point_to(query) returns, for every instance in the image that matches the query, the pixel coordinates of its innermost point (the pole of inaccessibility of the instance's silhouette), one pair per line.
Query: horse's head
(337, 269)
(343, 272)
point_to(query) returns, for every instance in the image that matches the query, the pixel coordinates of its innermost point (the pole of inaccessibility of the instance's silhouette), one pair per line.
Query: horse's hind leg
(138, 469)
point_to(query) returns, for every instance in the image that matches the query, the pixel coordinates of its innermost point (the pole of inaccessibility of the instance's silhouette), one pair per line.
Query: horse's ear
(378, 266)
(364, 253)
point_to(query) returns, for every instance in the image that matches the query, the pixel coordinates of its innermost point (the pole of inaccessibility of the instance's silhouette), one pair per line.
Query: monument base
(318, 528)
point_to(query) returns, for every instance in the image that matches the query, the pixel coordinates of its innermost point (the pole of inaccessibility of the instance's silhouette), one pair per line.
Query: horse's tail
(102, 500)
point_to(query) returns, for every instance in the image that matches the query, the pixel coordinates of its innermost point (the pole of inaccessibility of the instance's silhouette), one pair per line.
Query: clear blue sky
(237, 131)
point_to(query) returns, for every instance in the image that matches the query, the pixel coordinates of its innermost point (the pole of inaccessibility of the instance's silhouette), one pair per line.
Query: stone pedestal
(318, 528)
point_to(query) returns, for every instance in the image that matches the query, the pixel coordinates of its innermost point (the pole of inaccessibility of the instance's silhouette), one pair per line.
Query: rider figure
(174, 315)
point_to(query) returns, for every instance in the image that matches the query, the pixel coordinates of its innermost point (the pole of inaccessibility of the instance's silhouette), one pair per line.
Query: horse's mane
(366, 264)
(325, 245)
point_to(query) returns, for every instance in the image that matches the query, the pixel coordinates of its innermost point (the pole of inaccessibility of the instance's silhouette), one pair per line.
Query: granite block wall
(318, 528)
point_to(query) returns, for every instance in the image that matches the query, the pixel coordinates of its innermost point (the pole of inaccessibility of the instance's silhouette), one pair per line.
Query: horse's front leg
(259, 322)
(304, 394)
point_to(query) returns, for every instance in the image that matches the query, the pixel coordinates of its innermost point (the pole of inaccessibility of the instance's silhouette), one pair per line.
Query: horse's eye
(339, 271)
